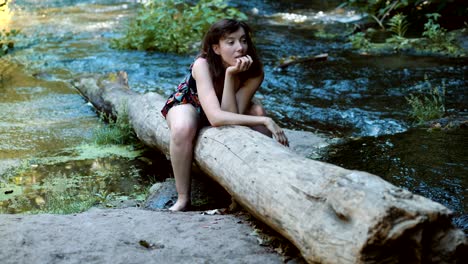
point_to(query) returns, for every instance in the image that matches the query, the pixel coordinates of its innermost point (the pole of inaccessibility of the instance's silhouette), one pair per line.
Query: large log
(333, 215)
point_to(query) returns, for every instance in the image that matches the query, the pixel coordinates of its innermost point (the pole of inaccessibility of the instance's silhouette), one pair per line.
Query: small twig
(380, 21)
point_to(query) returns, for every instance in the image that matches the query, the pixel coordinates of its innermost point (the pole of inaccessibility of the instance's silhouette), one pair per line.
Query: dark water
(431, 164)
(350, 95)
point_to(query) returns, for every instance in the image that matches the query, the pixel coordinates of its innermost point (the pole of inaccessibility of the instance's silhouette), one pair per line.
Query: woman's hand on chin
(242, 64)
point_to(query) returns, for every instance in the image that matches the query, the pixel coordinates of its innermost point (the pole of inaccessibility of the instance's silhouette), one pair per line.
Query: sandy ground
(135, 235)
(131, 235)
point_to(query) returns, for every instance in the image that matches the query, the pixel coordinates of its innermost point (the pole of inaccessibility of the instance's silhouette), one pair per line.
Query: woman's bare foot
(181, 205)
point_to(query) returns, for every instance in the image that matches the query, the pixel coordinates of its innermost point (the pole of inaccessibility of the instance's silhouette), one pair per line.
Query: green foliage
(380, 11)
(432, 30)
(398, 25)
(435, 39)
(427, 104)
(359, 41)
(118, 130)
(173, 25)
(58, 194)
(67, 202)
(439, 40)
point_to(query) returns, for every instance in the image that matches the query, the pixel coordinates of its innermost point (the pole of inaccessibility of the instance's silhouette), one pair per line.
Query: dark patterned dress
(186, 93)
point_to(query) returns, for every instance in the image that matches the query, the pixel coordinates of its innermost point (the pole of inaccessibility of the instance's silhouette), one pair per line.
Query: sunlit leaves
(174, 25)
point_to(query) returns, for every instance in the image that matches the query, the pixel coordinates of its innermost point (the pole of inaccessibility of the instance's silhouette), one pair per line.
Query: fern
(398, 25)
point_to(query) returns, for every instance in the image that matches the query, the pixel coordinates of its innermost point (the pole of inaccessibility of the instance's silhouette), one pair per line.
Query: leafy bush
(439, 39)
(173, 25)
(359, 41)
(427, 105)
(432, 30)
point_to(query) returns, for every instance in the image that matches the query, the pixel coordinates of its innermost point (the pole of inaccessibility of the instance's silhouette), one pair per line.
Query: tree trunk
(333, 215)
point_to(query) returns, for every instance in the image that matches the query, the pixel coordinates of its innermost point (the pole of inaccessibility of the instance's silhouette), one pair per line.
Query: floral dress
(186, 93)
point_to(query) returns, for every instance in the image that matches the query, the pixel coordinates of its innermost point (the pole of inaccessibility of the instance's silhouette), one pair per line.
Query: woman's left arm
(246, 92)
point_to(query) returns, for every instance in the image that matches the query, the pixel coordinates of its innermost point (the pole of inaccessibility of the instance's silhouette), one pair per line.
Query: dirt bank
(131, 235)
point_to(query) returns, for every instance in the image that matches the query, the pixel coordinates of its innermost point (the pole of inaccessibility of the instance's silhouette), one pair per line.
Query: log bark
(332, 215)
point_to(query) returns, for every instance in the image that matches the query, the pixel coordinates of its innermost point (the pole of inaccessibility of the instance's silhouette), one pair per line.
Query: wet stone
(206, 194)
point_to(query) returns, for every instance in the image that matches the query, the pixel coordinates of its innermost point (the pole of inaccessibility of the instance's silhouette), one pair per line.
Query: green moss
(90, 151)
(87, 151)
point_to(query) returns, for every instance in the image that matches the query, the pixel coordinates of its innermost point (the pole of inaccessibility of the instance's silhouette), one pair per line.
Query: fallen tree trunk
(333, 215)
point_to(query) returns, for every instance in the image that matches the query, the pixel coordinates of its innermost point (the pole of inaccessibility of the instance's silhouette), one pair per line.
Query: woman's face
(231, 47)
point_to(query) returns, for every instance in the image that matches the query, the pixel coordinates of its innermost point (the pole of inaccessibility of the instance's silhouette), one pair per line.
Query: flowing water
(358, 97)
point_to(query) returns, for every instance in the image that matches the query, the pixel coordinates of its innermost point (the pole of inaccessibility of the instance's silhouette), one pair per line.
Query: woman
(218, 91)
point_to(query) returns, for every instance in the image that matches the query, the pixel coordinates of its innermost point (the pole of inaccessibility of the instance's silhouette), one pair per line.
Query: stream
(46, 127)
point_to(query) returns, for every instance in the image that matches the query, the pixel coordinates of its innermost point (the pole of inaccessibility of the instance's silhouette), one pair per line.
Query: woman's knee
(183, 132)
(257, 110)
(183, 123)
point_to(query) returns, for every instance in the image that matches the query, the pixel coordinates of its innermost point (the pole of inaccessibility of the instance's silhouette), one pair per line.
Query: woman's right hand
(277, 132)
(242, 64)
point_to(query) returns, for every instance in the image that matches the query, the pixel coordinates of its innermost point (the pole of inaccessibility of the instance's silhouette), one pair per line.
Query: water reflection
(39, 186)
(429, 163)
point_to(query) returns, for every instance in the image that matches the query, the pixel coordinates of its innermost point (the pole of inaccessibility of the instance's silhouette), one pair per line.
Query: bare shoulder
(200, 67)
(200, 61)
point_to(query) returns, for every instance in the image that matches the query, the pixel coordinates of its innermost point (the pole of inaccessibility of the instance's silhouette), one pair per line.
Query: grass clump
(427, 104)
(67, 203)
(118, 130)
(173, 25)
(359, 41)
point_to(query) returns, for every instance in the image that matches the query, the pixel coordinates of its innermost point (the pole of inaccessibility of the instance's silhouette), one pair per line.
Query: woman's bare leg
(183, 123)
(256, 109)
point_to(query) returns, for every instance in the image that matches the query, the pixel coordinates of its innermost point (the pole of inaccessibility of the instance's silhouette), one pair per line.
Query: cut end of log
(404, 238)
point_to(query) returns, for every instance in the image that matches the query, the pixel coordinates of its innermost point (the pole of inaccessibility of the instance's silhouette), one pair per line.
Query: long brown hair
(216, 32)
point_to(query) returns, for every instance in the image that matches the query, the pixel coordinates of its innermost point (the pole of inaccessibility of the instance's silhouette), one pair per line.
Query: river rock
(206, 194)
